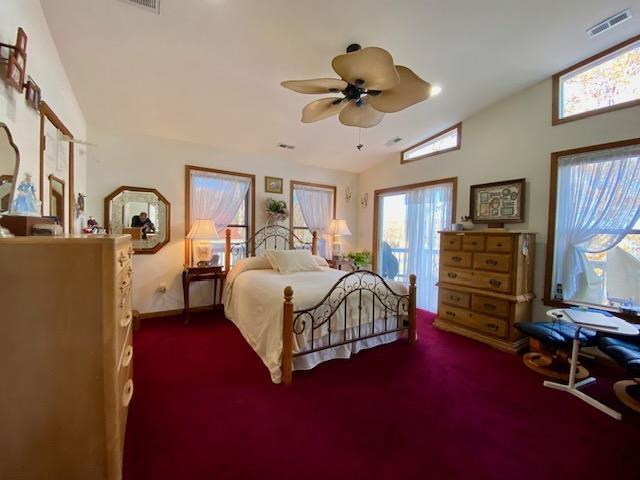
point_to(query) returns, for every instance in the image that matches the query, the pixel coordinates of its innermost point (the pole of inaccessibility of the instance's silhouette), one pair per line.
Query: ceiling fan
(371, 86)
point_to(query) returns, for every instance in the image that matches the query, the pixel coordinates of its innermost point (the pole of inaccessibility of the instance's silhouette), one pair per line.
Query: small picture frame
(273, 184)
(33, 94)
(17, 61)
(498, 202)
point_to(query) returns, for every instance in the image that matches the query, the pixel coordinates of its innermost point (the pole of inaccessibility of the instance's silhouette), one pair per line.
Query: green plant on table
(360, 259)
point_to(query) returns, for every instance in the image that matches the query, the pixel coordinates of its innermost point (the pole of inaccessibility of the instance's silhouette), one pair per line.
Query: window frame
(547, 298)
(458, 145)
(292, 186)
(556, 119)
(250, 202)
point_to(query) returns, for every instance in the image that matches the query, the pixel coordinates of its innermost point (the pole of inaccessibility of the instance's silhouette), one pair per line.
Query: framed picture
(273, 185)
(17, 61)
(33, 94)
(498, 202)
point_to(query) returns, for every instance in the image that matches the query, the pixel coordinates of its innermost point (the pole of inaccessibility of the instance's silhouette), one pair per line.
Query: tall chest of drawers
(65, 356)
(485, 285)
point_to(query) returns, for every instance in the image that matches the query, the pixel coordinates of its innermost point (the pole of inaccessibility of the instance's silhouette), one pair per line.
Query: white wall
(45, 67)
(125, 159)
(511, 139)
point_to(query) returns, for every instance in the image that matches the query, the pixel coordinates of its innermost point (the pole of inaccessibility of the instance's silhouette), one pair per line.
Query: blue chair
(626, 352)
(550, 344)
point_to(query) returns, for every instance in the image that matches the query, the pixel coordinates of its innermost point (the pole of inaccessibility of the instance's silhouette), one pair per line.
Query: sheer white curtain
(598, 202)
(316, 205)
(217, 197)
(428, 211)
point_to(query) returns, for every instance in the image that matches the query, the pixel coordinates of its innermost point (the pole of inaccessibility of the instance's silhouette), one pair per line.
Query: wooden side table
(339, 263)
(199, 274)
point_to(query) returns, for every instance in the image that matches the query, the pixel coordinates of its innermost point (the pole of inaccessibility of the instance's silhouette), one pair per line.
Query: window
(406, 239)
(227, 198)
(594, 226)
(445, 141)
(607, 81)
(313, 207)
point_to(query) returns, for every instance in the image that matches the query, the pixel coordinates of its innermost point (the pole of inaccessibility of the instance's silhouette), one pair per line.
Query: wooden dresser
(485, 285)
(65, 356)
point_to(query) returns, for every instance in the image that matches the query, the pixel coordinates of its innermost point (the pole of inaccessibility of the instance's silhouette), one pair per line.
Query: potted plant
(466, 222)
(360, 259)
(276, 211)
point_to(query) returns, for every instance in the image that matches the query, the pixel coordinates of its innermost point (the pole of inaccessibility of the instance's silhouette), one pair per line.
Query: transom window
(441, 142)
(605, 82)
(595, 226)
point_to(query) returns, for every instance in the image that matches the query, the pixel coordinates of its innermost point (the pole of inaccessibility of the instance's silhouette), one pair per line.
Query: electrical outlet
(162, 288)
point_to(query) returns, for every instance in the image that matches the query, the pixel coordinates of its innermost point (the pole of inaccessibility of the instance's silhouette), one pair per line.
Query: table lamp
(338, 227)
(201, 234)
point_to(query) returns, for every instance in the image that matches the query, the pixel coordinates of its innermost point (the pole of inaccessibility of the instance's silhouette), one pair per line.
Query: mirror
(9, 162)
(142, 213)
(56, 199)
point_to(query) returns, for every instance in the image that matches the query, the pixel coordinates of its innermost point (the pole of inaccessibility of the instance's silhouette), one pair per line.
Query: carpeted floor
(205, 408)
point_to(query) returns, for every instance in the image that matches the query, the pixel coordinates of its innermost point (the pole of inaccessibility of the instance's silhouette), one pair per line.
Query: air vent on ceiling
(286, 147)
(610, 22)
(150, 5)
(393, 141)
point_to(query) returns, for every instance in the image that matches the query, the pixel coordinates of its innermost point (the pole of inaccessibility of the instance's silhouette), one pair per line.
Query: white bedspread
(253, 301)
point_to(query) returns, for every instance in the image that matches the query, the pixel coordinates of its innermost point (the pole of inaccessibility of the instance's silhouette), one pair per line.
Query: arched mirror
(56, 198)
(143, 213)
(9, 162)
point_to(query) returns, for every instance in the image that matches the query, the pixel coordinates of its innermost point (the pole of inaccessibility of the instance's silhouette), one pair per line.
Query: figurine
(26, 203)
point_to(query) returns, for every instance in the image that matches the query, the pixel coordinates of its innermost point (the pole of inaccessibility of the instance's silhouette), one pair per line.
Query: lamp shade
(339, 227)
(203, 230)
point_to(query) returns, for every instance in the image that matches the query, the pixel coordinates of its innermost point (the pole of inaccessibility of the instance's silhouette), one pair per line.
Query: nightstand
(342, 264)
(199, 274)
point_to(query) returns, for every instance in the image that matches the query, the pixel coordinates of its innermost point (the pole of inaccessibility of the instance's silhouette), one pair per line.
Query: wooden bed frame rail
(401, 308)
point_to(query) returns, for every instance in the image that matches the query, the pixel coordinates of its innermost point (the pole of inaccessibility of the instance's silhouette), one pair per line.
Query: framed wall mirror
(143, 213)
(9, 163)
(56, 199)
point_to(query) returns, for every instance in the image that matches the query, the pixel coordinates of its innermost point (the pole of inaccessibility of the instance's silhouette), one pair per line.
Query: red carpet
(205, 408)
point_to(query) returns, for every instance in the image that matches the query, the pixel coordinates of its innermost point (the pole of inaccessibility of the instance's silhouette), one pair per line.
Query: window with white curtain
(227, 199)
(313, 208)
(596, 236)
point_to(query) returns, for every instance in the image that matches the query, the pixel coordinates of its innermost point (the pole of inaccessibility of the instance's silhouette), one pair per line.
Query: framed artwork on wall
(273, 184)
(498, 203)
(33, 94)
(17, 61)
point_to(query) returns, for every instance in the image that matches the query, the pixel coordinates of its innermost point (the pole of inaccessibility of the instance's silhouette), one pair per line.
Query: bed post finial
(227, 249)
(314, 243)
(412, 309)
(286, 366)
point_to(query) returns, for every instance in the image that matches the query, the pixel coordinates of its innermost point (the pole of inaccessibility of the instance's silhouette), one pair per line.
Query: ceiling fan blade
(364, 116)
(372, 65)
(411, 90)
(321, 109)
(316, 85)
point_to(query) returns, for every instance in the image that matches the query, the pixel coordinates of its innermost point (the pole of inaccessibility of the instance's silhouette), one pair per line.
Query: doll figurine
(26, 203)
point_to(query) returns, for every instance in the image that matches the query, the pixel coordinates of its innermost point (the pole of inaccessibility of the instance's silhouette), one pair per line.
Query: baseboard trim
(176, 312)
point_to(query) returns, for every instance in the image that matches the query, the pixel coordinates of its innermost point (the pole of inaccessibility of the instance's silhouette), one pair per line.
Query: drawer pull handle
(495, 283)
(474, 243)
(452, 275)
(451, 314)
(492, 262)
(498, 244)
(456, 259)
(126, 320)
(489, 306)
(128, 356)
(492, 326)
(455, 299)
(127, 393)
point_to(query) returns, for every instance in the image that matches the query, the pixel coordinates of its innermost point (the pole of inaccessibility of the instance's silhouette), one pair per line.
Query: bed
(298, 320)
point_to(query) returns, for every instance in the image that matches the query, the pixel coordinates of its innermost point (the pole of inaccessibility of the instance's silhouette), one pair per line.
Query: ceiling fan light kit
(371, 86)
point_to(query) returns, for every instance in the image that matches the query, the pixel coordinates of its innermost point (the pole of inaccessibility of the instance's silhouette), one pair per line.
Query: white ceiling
(209, 71)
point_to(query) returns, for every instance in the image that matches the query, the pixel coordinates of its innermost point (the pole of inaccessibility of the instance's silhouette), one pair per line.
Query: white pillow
(289, 261)
(250, 263)
(321, 261)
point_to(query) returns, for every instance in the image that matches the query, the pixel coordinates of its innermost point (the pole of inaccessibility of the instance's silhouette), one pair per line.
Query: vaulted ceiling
(209, 71)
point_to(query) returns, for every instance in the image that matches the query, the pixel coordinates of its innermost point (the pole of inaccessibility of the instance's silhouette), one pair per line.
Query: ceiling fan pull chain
(360, 145)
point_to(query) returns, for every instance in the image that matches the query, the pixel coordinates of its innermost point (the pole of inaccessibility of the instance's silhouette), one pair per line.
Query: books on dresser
(485, 285)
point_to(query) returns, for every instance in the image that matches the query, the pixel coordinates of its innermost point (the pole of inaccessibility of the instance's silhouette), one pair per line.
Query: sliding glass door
(407, 242)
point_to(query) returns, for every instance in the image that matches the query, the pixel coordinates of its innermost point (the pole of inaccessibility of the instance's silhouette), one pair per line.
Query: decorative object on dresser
(498, 203)
(338, 228)
(199, 274)
(69, 368)
(342, 264)
(143, 213)
(273, 185)
(202, 234)
(9, 164)
(16, 60)
(485, 285)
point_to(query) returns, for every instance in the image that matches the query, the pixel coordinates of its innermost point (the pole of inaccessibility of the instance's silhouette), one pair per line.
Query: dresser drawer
(452, 297)
(490, 306)
(497, 282)
(456, 259)
(451, 241)
(476, 321)
(473, 243)
(495, 262)
(499, 244)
